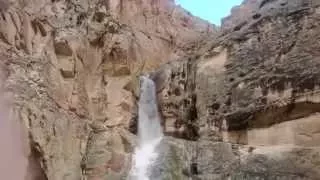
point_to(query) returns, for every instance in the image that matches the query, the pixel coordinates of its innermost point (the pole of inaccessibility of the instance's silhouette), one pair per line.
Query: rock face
(237, 103)
(219, 160)
(70, 70)
(249, 96)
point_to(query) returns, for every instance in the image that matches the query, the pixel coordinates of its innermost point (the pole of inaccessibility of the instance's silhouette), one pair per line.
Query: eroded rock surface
(262, 74)
(71, 69)
(241, 105)
(219, 160)
(254, 86)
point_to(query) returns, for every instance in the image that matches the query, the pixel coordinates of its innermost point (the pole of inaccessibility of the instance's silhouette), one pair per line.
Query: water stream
(149, 132)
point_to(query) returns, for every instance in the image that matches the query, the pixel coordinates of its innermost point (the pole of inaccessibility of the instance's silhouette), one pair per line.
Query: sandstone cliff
(70, 69)
(241, 102)
(250, 97)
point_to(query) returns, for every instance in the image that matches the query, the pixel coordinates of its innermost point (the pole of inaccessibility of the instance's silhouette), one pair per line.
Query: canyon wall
(246, 104)
(238, 102)
(71, 68)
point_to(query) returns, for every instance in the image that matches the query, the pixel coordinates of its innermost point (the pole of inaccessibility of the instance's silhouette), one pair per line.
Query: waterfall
(149, 132)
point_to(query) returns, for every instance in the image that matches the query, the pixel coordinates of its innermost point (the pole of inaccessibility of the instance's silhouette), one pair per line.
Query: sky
(210, 10)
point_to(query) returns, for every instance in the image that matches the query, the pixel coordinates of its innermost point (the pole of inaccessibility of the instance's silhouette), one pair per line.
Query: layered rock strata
(252, 94)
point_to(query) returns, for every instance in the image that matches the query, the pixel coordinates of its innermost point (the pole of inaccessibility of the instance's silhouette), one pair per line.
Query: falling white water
(149, 132)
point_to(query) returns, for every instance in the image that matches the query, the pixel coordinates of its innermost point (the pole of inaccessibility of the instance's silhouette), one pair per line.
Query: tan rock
(67, 67)
(28, 33)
